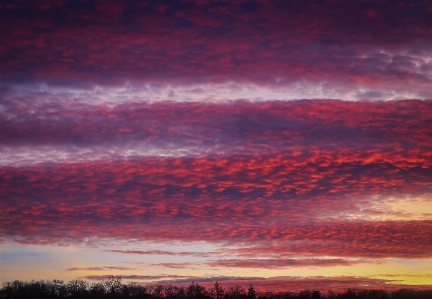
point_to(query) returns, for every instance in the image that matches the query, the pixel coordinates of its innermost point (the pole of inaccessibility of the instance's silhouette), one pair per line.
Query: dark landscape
(114, 288)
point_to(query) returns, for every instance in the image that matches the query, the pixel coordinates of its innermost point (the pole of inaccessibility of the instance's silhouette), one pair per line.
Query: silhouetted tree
(236, 292)
(77, 288)
(316, 295)
(170, 291)
(157, 290)
(113, 285)
(113, 288)
(331, 295)
(181, 292)
(196, 291)
(57, 288)
(138, 291)
(410, 293)
(373, 294)
(97, 290)
(251, 293)
(305, 294)
(217, 292)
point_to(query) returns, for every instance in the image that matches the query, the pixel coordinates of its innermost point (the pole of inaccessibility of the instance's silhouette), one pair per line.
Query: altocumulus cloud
(279, 134)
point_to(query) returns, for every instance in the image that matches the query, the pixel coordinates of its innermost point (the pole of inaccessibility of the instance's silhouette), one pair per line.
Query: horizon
(206, 290)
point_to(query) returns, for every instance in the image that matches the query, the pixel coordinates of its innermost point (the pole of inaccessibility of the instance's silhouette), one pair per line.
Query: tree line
(113, 288)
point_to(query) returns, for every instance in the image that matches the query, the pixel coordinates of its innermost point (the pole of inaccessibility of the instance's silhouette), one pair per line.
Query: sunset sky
(283, 144)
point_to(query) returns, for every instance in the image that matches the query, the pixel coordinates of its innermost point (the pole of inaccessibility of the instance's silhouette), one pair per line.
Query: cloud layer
(363, 131)
(302, 174)
(372, 47)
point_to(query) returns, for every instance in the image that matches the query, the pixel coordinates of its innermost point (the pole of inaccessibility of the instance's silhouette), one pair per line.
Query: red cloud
(286, 172)
(364, 131)
(283, 263)
(175, 265)
(162, 252)
(272, 42)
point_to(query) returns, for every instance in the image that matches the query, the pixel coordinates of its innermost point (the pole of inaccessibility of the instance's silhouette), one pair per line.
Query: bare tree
(217, 292)
(113, 285)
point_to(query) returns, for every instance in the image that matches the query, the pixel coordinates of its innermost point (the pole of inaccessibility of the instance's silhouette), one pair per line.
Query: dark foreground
(114, 288)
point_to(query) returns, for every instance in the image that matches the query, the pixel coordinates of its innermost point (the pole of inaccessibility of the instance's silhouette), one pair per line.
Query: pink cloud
(283, 263)
(291, 172)
(272, 42)
(163, 252)
(133, 277)
(98, 268)
(365, 131)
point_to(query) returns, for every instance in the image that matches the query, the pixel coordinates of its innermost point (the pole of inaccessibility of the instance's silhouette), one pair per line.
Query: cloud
(140, 252)
(175, 265)
(408, 275)
(303, 174)
(283, 263)
(34, 132)
(133, 277)
(274, 43)
(268, 235)
(373, 240)
(162, 252)
(98, 268)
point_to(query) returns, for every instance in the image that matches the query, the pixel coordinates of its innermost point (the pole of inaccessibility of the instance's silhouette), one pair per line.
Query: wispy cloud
(266, 263)
(134, 277)
(98, 268)
(163, 252)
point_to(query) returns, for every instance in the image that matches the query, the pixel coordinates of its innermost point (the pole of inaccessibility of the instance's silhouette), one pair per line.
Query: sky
(283, 144)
